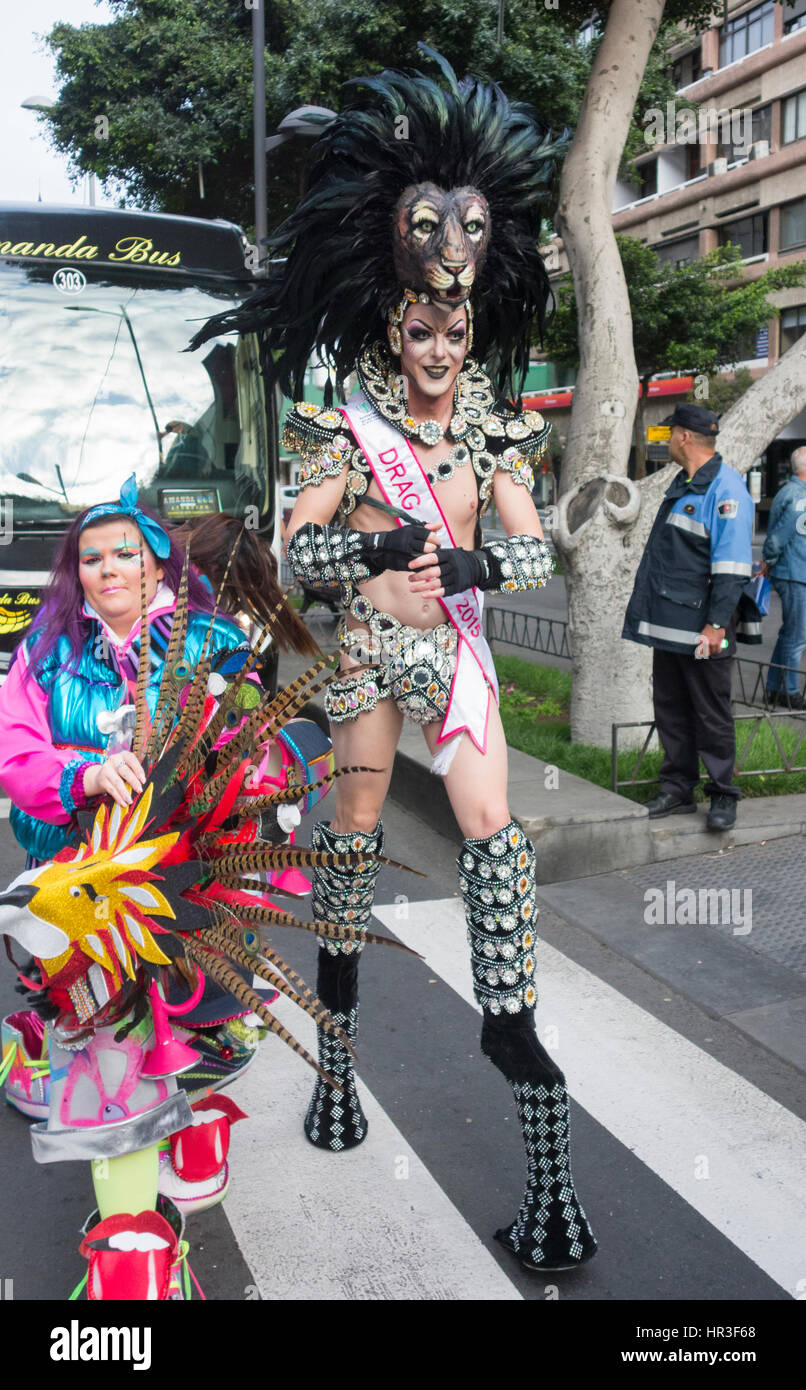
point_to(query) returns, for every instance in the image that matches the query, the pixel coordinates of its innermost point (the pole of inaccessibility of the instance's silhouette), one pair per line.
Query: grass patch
(535, 710)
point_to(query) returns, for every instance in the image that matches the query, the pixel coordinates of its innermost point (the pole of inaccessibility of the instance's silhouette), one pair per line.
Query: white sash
(403, 483)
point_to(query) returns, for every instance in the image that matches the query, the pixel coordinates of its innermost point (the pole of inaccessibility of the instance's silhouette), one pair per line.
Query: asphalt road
(687, 1138)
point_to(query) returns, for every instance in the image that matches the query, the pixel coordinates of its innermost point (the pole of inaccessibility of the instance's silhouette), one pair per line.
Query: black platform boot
(497, 880)
(345, 896)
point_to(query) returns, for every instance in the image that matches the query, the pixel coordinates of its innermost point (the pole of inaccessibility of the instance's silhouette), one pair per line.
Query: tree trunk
(604, 519)
(599, 546)
(616, 674)
(765, 408)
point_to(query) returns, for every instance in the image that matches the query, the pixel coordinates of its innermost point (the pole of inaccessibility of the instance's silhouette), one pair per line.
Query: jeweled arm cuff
(519, 562)
(327, 555)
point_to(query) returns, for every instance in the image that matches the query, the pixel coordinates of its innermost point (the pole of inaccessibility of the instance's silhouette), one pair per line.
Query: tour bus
(96, 308)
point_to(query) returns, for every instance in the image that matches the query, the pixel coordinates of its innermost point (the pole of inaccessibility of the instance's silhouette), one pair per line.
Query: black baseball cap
(693, 417)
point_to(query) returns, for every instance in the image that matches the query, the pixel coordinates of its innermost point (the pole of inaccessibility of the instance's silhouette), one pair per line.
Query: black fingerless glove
(392, 550)
(519, 562)
(460, 569)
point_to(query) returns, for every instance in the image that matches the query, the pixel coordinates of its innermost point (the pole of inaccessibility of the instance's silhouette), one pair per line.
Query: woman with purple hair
(66, 707)
(66, 729)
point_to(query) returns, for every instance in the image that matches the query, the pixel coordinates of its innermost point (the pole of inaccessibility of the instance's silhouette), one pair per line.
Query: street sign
(658, 434)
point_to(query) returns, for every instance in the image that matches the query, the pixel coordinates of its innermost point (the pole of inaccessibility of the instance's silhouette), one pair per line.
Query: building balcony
(706, 185)
(719, 81)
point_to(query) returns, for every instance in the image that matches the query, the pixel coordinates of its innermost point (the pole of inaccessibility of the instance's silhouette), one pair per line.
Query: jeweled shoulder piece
(320, 438)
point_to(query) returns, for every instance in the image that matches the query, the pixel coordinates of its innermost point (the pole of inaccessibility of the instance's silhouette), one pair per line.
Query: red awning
(549, 402)
(671, 386)
(555, 400)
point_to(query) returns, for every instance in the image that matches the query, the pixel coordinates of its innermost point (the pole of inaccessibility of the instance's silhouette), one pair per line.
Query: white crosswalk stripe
(371, 1223)
(734, 1154)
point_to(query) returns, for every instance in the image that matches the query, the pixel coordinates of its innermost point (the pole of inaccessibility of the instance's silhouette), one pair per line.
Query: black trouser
(694, 720)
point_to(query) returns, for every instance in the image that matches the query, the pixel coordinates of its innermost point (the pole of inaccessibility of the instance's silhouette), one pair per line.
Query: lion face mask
(440, 239)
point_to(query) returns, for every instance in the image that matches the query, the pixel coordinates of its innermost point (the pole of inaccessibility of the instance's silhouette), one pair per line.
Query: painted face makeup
(434, 348)
(109, 572)
(440, 240)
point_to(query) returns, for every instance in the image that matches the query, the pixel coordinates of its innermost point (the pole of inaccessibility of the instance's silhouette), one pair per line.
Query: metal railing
(551, 636)
(528, 630)
(751, 678)
(765, 718)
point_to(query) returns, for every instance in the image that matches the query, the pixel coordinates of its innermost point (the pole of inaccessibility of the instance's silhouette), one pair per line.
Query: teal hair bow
(154, 534)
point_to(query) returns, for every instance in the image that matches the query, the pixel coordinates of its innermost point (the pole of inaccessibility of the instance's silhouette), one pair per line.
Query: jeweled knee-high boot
(345, 896)
(497, 880)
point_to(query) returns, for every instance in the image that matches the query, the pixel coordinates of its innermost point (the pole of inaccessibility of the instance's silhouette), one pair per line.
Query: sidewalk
(574, 823)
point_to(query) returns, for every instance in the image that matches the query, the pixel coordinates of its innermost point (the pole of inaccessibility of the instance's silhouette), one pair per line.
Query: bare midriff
(390, 592)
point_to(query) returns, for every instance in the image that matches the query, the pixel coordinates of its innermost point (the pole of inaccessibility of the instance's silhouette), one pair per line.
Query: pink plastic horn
(169, 1056)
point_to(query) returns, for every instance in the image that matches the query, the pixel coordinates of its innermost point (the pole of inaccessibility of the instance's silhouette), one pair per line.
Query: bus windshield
(94, 385)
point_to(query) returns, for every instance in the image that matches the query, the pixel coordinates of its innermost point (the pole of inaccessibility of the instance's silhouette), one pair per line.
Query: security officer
(696, 563)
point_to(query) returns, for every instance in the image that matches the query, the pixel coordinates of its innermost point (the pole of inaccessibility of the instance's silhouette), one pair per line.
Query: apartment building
(735, 171)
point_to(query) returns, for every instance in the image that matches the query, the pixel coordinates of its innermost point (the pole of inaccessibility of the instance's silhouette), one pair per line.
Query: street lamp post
(46, 104)
(259, 125)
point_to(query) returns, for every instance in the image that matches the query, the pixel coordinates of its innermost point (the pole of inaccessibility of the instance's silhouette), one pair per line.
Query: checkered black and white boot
(497, 880)
(345, 896)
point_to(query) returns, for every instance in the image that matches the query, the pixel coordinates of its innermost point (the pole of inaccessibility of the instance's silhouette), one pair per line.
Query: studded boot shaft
(497, 880)
(345, 896)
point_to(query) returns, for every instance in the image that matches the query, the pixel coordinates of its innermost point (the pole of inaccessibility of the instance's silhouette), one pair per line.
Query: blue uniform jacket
(697, 560)
(785, 546)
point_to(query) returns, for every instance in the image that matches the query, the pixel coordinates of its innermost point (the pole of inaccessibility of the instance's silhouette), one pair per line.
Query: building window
(793, 326)
(748, 233)
(693, 156)
(794, 16)
(687, 69)
(741, 131)
(588, 31)
(793, 225)
(745, 33)
(793, 125)
(679, 253)
(647, 178)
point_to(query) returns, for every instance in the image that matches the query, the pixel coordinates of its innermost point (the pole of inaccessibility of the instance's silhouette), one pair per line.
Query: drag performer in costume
(416, 244)
(137, 749)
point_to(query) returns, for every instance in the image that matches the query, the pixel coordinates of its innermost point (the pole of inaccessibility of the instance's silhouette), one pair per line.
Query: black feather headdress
(337, 280)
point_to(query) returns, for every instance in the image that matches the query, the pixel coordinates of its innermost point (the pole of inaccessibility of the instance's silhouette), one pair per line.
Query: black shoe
(722, 814)
(667, 804)
(552, 1264)
(791, 701)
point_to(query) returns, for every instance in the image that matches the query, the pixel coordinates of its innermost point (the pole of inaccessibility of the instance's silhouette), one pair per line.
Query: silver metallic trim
(687, 523)
(110, 1141)
(731, 567)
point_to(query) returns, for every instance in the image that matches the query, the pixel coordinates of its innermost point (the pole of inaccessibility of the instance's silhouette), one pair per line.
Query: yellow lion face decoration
(98, 900)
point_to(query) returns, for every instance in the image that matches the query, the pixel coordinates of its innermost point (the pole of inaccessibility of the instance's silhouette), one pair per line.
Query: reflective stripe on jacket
(696, 562)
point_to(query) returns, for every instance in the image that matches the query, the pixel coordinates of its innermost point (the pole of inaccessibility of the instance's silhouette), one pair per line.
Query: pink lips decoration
(199, 1152)
(130, 1257)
